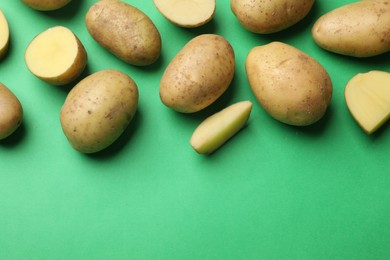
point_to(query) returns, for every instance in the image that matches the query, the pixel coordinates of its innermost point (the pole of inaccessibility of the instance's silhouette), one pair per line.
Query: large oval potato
(199, 74)
(290, 85)
(46, 5)
(360, 29)
(11, 112)
(98, 109)
(4, 35)
(125, 31)
(264, 17)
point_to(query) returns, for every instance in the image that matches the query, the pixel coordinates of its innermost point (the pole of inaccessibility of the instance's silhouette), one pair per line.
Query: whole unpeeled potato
(11, 112)
(199, 74)
(269, 16)
(290, 85)
(125, 31)
(360, 29)
(98, 109)
(46, 5)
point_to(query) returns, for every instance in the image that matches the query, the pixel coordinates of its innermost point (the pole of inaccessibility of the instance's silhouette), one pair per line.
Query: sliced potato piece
(368, 99)
(4, 35)
(56, 56)
(46, 5)
(220, 127)
(186, 13)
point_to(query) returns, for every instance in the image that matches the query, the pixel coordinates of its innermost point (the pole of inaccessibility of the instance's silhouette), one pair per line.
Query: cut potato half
(56, 56)
(186, 13)
(46, 5)
(4, 35)
(220, 127)
(368, 99)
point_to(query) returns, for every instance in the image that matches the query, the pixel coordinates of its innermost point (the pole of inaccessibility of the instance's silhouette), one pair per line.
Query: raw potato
(125, 31)
(368, 99)
(290, 85)
(46, 5)
(360, 29)
(4, 35)
(199, 74)
(56, 56)
(270, 16)
(220, 127)
(11, 112)
(187, 13)
(98, 110)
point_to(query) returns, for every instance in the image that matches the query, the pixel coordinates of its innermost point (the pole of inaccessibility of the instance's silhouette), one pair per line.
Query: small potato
(186, 13)
(46, 5)
(291, 86)
(4, 35)
(199, 74)
(263, 17)
(56, 56)
(98, 109)
(360, 29)
(11, 112)
(125, 31)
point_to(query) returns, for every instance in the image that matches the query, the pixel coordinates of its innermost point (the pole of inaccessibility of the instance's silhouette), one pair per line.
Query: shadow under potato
(15, 138)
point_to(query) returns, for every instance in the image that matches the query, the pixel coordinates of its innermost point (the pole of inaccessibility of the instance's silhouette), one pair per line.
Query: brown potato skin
(11, 112)
(125, 31)
(360, 29)
(98, 110)
(199, 74)
(46, 5)
(270, 16)
(291, 86)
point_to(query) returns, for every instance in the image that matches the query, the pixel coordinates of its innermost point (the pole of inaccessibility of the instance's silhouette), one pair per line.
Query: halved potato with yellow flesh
(4, 35)
(56, 56)
(368, 99)
(187, 13)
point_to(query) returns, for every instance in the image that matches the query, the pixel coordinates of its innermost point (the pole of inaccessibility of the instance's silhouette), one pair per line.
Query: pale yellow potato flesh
(56, 56)
(186, 13)
(368, 99)
(215, 130)
(4, 35)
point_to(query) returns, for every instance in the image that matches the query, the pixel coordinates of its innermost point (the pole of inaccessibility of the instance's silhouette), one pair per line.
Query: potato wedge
(56, 56)
(186, 13)
(213, 132)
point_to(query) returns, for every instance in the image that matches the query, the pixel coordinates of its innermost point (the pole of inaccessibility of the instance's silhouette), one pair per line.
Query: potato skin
(46, 5)
(291, 86)
(98, 109)
(360, 29)
(11, 112)
(125, 31)
(199, 74)
(270, 16)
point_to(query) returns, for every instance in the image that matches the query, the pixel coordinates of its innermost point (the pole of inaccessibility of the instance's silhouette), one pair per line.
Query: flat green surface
(272, 192)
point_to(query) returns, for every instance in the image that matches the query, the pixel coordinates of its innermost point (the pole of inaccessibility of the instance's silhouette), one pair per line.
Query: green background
(272, 192)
